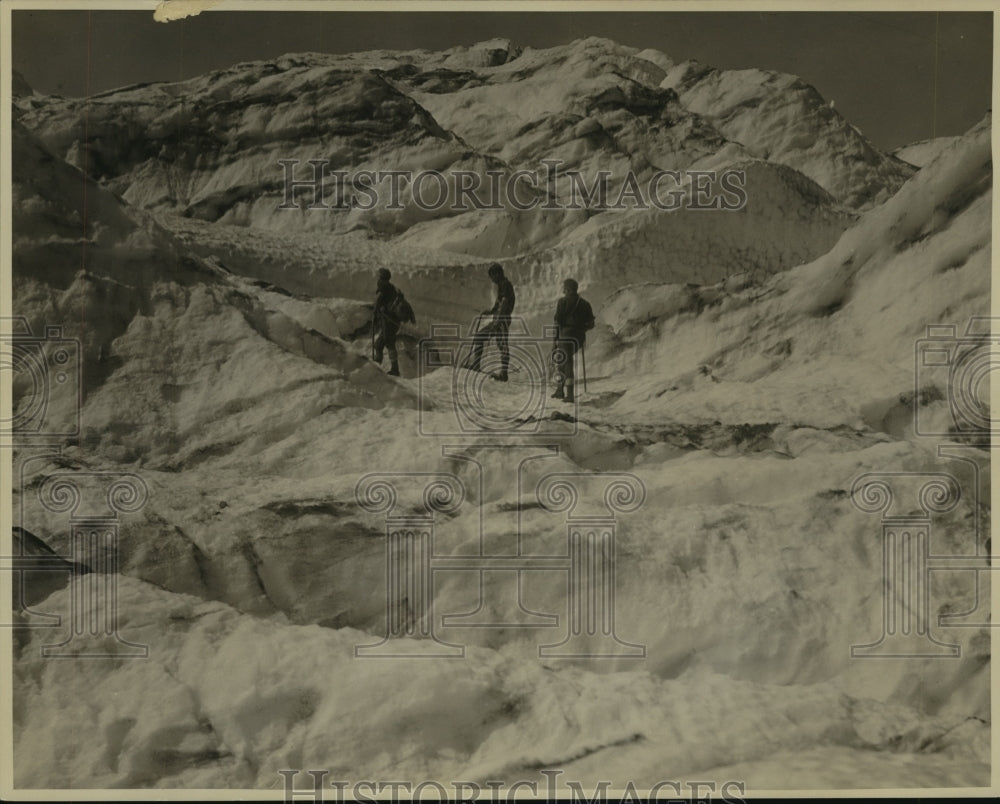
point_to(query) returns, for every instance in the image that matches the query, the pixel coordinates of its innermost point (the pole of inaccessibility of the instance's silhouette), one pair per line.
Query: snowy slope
(925, 151)
(780, 117)
(653, 112)
(119, 282)
(209, 147)
(787, 220)
(238, 698)
(921, 258)
(593, 104)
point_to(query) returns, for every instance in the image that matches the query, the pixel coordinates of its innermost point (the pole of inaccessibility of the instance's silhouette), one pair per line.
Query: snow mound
(924, 152)
(491, 53)
(787, 220)
(922, 258)
(779, 117)
(118, 283)
(239, 699)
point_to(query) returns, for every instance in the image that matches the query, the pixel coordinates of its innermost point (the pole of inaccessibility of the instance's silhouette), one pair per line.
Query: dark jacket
(574, 316)
(385, 295)
(504, 305)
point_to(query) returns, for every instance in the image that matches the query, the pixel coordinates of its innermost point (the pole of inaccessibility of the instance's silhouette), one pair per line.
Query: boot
(394, 369)
(499, 376)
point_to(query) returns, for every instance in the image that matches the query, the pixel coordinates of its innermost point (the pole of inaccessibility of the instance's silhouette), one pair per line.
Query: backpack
(401, 310)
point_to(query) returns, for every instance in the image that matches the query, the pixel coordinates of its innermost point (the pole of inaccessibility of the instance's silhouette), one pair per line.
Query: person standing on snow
(500, 325)
(384, 323)
(574, 316)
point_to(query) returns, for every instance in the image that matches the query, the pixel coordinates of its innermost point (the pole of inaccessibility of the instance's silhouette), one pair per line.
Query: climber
(574, 316)
(385, 324)
(500, 325)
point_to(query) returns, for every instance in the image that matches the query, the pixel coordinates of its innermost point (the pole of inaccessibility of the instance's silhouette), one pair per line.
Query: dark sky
(898, 76)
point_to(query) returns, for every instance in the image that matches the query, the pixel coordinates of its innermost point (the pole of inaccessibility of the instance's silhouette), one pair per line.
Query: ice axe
(373, 335)
(583, 365)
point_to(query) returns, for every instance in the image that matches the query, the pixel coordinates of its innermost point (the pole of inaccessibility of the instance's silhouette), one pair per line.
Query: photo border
(7, 790)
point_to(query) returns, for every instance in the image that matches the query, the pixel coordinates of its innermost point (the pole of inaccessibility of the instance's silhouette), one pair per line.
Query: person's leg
(390, 347)
(568, 369)
(379, 346)
(478, 342)
(501, 336)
